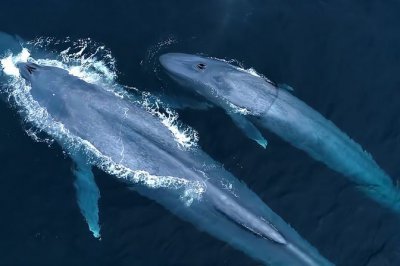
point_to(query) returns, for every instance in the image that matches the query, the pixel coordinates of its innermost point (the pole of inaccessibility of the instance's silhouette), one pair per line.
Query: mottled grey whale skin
(127, 133)
(273, 108)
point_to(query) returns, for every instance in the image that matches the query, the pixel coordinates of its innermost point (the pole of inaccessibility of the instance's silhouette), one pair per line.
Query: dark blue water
(342, 58)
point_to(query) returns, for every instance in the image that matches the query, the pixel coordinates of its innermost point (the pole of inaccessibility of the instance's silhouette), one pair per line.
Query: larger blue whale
(96, 126)
(255, 102)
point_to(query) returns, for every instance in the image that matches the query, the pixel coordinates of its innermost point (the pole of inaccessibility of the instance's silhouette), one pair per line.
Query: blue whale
(255, 102)
(98, 127)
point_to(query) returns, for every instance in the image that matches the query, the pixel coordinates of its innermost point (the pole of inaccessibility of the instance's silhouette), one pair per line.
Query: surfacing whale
(98, 127)
(253, 101)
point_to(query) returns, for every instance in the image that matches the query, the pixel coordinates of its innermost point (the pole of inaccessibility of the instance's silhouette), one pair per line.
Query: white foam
(237, 109)
(186, 137)
(93, 70)
(8, 63)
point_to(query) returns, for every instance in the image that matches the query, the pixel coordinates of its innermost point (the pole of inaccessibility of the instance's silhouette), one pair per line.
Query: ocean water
(341, 57)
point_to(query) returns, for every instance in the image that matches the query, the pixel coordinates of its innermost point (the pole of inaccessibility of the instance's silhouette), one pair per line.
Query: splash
(84, 58)
(94, 65)
(237, 109)
(185, 136)
(151, 58)
(9, 62)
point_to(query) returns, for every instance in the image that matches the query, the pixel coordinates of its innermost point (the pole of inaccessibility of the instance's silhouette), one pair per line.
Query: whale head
(48, 85)
(28, 70)
(191, 70)
(46, 76)
(220, 82)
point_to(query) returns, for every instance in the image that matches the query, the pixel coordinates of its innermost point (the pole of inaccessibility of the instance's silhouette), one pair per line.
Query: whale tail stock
(387, 194)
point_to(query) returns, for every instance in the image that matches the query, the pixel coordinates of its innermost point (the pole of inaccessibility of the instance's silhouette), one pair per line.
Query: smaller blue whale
(255, 102)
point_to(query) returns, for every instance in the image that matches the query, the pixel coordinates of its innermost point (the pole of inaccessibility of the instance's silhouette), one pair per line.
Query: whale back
(96, 114)
(245, 91)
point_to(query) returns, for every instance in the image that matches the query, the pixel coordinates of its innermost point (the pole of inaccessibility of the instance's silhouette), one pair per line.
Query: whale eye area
(201, 66)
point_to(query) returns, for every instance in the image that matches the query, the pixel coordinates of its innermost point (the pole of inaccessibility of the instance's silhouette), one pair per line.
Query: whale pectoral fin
(87, 193)
(249, 129)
